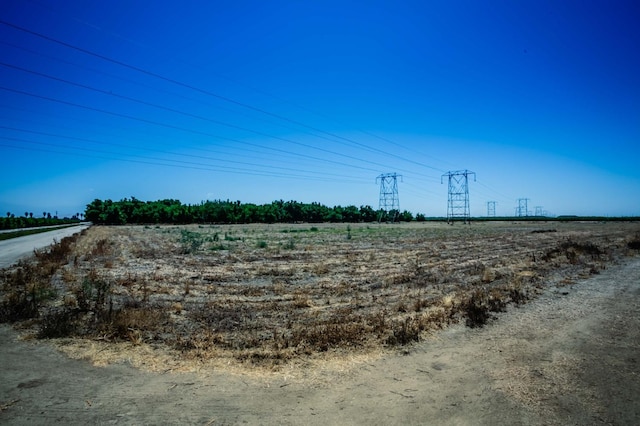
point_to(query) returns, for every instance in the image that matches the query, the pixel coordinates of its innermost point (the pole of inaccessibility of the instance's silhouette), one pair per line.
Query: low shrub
(18, 305)
(572, 250)
(479, 306)
(134, 323)
(93, 293)
(58, 323)
(404, 332)
(332, 334)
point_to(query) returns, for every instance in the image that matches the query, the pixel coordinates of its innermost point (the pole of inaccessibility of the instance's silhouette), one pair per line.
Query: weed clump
(478, 308)
(572, 250)
(635, 243)
(191, 241)
(404, 332)
(56, 254)
(331, 334)
(58, 323)
(19, 305)
(220, 317)
(543, 231)
(135, 324)
(29, 284)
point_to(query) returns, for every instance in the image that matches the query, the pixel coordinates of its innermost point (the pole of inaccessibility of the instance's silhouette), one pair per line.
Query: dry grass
(270, 295)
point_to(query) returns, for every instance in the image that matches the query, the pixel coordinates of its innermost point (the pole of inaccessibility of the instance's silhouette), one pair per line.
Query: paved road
(16, 248)
(6, 231)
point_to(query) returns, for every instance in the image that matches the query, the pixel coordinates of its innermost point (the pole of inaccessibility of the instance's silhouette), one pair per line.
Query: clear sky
(311, 100)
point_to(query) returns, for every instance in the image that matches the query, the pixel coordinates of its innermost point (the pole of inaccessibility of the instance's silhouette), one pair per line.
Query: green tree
(351, 214)
(406, 216)
(93, 211)
(112, 214)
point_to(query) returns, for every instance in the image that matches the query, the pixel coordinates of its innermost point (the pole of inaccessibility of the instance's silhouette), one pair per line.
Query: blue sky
(310, 101)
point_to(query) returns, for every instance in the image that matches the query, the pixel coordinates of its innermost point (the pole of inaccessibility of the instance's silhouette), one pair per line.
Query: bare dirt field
(332, 324)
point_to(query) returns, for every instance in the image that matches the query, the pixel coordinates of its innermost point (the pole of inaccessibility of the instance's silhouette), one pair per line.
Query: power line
(217, 96)
(173, 126)
(203, 91)
(93, 70)
(494, 192)
(117, 77)
(155, 161)
(140, 45)
(324, 173)
(219, 150)
(173, 110)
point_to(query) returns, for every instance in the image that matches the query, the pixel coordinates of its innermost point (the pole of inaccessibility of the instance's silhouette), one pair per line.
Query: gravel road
(16, 248)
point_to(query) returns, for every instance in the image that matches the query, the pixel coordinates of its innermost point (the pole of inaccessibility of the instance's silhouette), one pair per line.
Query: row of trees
(11, 221)
(173, 211)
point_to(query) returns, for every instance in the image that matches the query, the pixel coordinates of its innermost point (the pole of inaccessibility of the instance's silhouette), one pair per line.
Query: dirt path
(570, 357)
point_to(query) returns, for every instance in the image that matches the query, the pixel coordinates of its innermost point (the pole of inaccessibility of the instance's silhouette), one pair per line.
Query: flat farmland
(268, 296)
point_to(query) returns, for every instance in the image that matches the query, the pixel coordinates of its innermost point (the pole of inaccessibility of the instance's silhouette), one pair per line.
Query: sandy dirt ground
(572, 356)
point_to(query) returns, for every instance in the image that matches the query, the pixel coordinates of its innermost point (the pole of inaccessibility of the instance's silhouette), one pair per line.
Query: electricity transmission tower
(458, 199)
(491, 209)
(522, 209)
(539, 211)
(389, 201)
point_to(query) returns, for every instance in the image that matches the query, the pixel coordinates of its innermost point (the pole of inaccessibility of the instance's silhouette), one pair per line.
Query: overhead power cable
(187, 114)
(209, 93)
(262, 151)
(504, 197)
(323, 173)
(97, 71)
(206, 92)
(170, 126)
(163, 161)
(224, 77)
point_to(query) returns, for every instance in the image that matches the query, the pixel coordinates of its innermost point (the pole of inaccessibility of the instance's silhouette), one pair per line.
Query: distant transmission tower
(539, 211)
(491, 209)
(458, 200)
(522, 209)
(389, 201)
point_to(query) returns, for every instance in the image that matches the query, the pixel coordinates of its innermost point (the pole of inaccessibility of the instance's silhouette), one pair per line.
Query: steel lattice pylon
(389, 201)
(491, 208)
(458, 199)
(523, 209)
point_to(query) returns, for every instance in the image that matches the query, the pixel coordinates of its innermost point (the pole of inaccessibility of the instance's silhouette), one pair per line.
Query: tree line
(132, 210)
(11, 221)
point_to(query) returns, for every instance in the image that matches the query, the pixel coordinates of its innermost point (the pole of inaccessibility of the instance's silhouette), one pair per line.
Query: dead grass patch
(290, 299)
